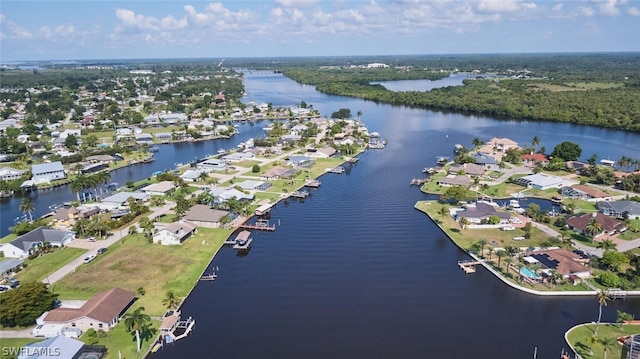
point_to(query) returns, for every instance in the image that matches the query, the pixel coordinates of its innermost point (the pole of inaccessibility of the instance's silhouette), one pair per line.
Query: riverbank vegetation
(598, 90)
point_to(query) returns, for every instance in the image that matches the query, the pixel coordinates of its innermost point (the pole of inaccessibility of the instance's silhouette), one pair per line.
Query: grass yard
(137, 263)
(579, 337)
(467, 237)
(38, 268)
(118, 340)
(8, 238)
(12, 345)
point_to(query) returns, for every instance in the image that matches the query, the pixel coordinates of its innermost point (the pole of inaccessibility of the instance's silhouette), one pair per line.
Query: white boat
(514, 203)
(221, 151)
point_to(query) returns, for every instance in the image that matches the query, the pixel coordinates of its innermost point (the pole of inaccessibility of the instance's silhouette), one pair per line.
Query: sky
(89, 29)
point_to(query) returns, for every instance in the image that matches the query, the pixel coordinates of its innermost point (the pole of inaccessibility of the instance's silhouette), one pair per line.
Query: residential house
(159, 189)
(106, 159)
(193, 175)
(275, 173)
(620, 209)
(204, 216)
(67, 216)
(120, 200)
(222, 195)
(238, 157)
(9, 265)
(61, 346)
(541, 181)
(454, 181)
(102, 312)
(298, 130)
(10, 174)
(144, 139)
(563, 261)
(250, 185)
(212, 164)
(324, 152)
(534, 159)
(576, 166)
(486, 160)
(47, 172)
(470, 169)
(479, 211)
(124, 132)
(502, 144)
(174, 233)
(300, 161)
(583, 192)
(163, 136)
(23, 246)
(610, 226)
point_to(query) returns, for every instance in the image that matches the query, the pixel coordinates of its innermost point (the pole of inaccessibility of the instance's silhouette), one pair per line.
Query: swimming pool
(528, 273)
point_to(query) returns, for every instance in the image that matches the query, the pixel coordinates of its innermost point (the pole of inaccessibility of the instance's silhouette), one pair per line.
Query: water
(426, 85)
(354, 271)
(165, 159)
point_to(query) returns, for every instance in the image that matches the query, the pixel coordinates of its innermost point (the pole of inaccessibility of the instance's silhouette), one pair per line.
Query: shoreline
(507, 281)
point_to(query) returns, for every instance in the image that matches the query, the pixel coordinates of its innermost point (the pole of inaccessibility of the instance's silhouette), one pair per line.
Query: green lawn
(38, 268)
(119, 340)
(8, 238)
(137, 263)
(14, 344)
(579, 338)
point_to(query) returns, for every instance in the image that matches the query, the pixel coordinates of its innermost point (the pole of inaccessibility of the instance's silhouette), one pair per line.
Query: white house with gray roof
(619, 208)
(22, 246)
(10, 174)
(541, 181)
(47, 172)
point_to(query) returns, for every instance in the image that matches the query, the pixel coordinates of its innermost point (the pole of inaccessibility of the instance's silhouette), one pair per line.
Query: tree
(443, 212)
(623, 317)
(568, 151)
(481, 244)
(21, 306)
(500, 253)
(613, 259)
(342, 113)
(71, 142)
(607, 245)
(463, 221)
(137, 322)
(535, 141)
(607, 343)
(141, 291)
(593, 228)
(26, 206)
(603, 300)
(171, 300)
(477, 143)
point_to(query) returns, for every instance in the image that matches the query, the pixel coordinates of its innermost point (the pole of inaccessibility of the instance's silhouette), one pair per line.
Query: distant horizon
(71, 61)
(45, 30)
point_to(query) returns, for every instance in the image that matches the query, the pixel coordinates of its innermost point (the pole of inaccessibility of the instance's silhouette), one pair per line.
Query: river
(355, 272)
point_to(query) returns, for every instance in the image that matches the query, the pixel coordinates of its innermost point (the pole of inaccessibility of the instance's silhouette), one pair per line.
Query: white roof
(122, 197)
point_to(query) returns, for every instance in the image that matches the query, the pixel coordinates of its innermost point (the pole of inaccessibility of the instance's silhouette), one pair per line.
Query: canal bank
(422, 207)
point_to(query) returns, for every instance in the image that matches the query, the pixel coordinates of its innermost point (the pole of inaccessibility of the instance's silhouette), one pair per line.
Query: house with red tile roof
(533, 159)
(102, 312)
(609, 225)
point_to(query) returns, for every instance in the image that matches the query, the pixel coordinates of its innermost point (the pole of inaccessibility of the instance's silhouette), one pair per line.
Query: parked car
(89, 258)
(91, 239)
(102, 250)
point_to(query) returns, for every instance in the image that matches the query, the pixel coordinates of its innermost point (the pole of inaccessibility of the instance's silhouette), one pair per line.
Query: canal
(354, 271)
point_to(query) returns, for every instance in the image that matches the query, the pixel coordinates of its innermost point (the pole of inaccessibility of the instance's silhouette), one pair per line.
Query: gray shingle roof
(46, 168)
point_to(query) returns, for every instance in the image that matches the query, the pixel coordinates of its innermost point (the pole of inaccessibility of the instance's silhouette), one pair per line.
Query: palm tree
(78, 185)
(593, 228)
(500, 253)
(141, 291)
(607, 245)
(481, 244)
(594, 341)
(607, 343)
(171, 300)
(477, 143)
(535, 141)
(137, 321)
(26, 206)
(463, 222)
(603, 300)
(507, 262)
(443, 212)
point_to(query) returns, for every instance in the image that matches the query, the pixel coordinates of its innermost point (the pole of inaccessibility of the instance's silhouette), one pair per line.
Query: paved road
(93, 247)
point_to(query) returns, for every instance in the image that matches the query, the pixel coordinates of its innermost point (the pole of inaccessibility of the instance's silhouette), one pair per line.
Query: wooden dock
(616, 293)
(300, 194)
(211, 276)
(468, 266)
(259, 227)
(312, 183)
(418, 181)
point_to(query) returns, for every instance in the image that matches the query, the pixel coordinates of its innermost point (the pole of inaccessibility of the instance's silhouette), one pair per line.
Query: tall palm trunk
(138, 339)
(599, 317)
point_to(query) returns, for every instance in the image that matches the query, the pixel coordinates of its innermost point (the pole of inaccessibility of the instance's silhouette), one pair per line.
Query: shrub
(610, 279)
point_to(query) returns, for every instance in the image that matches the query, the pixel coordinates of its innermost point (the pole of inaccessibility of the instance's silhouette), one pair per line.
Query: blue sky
(89, 29)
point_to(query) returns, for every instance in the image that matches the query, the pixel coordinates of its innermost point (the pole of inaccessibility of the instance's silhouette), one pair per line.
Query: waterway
(455, 79)
(354, 271)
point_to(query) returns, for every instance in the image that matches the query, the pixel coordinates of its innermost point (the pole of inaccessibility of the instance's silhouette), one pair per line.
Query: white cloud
(609, 7)
(586, 11)
(557, 7)
(634, 11)
(298, 4)
(498, 5)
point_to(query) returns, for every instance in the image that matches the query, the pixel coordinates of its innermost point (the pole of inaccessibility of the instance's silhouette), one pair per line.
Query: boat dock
(300, 194)
(337, 170)
(170, 325)
(616, 293)
(312, 183)
(418, 181)
(261, 225)
(468, 266)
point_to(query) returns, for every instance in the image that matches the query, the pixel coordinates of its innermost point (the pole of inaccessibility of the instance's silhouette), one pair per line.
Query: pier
(418, 181)
(616, 293)
(312, 183)
(261, 225)
(211, 276)
(468, 266)
(300, 194)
